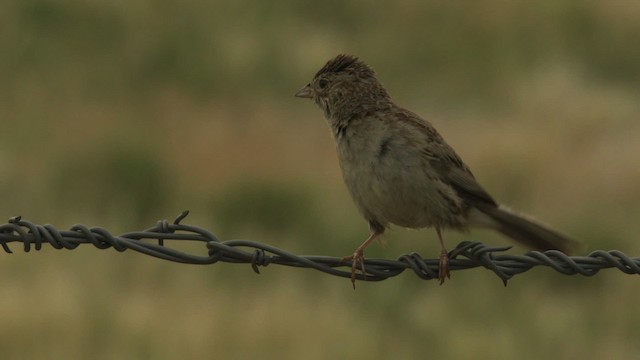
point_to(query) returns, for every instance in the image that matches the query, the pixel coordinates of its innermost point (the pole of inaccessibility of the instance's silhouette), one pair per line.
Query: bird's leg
(443, 270)
(358, 255)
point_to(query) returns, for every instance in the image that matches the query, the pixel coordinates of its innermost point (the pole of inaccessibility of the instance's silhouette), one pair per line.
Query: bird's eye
(323, 83)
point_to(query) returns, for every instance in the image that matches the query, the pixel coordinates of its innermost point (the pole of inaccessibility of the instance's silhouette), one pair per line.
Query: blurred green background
(120, 113)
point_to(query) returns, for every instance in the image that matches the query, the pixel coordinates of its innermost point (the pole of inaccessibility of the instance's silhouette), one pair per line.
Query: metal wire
(467, 255)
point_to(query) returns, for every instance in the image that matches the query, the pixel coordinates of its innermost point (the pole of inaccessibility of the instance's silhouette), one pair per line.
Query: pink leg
(444, 260)
(358, 255)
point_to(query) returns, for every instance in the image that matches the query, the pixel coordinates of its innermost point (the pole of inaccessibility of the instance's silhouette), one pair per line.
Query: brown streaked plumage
(400, 171)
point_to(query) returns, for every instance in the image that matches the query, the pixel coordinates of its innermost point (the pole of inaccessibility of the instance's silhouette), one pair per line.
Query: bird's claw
(357, 259)
(443, 269)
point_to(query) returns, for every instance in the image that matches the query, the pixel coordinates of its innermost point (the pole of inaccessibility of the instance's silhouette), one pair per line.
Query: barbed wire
(467, 255)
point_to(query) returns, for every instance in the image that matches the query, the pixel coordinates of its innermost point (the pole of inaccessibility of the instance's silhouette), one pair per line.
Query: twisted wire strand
(154, 242)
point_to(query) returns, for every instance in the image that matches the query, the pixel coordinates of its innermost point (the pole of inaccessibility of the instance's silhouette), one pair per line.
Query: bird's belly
(404, 194)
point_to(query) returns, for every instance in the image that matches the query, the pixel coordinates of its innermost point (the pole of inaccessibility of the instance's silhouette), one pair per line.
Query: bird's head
(344, 85)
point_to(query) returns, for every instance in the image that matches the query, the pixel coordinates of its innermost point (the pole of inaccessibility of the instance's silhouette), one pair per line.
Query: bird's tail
(526, 231)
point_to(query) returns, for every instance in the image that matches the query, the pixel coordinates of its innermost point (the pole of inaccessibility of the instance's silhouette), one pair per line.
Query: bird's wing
(467, 186)
(444, 159)
(455, 172)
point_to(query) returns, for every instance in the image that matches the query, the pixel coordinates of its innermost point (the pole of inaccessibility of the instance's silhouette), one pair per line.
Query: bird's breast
(392, 182)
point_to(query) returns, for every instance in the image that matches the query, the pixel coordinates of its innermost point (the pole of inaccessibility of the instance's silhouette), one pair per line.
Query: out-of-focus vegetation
(119, 113)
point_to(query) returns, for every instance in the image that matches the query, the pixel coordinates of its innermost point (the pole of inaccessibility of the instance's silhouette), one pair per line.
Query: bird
(400, 171)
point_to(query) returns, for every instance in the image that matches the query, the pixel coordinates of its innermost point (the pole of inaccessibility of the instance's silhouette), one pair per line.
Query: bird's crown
(344, 63)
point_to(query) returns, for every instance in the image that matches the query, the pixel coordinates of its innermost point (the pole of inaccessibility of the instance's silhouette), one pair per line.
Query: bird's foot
(357, 259)
(443, 270)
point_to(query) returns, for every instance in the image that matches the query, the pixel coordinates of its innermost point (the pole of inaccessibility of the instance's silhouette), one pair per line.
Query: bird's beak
(306, 92)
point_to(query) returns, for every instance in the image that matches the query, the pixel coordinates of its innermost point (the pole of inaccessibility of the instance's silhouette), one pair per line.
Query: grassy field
(117, 114)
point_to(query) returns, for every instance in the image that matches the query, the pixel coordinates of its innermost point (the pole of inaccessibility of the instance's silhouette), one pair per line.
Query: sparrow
(399, 170)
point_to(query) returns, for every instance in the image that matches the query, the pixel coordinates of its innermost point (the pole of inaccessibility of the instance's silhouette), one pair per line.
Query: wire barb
(153, 242)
